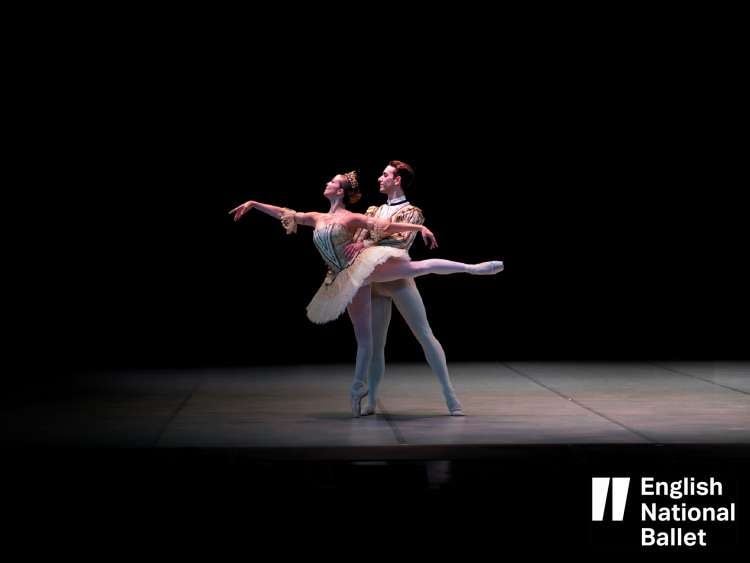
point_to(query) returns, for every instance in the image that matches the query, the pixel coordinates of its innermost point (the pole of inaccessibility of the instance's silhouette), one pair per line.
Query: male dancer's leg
(409, 303)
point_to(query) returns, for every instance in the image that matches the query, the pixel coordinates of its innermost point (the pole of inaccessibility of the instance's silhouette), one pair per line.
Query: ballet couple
(369, 271)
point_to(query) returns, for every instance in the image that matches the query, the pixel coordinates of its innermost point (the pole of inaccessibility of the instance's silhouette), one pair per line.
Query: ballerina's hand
(429, 239)
(240, 210)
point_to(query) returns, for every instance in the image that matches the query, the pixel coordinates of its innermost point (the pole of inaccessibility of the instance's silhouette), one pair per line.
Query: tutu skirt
(333, 297)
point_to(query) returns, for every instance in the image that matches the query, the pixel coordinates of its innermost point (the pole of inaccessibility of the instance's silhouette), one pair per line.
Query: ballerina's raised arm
(352, 221)
(308, 219)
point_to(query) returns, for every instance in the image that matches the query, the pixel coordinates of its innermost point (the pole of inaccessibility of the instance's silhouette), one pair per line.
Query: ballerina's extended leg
(400, 269)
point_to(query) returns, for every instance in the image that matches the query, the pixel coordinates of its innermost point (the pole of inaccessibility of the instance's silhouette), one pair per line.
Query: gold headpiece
(351, 177)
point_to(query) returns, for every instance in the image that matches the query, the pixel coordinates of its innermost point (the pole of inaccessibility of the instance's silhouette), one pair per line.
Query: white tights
(401, 269)
(361, 314)
(405, 295)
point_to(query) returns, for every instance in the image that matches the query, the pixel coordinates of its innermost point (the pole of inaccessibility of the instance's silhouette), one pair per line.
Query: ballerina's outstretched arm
(382, 228)
(288, 217)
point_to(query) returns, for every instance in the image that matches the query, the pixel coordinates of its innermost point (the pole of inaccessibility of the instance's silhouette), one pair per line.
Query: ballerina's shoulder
(350, 221)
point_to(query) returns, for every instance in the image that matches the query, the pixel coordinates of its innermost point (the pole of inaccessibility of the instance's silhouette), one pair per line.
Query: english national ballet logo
(682, 512)
(600, 492)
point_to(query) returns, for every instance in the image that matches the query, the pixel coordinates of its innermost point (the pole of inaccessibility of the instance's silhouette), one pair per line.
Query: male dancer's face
(389, 181)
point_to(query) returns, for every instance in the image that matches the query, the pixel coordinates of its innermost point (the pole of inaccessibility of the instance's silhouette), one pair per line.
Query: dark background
(577, 166)
(574, 151)
(602, 244)
(603, 250)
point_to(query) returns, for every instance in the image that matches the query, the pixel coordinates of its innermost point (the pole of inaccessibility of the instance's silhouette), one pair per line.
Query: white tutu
(332, 298)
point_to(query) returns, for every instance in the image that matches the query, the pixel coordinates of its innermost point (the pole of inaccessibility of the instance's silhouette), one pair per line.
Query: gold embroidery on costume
(288, 221)
(379, 229)
(407, 214)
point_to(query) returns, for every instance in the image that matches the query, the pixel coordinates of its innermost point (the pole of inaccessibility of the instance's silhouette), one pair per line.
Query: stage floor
(303, 411)
(271, 457)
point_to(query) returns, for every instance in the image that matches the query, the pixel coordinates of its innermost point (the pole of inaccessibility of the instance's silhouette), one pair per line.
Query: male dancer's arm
(404, 239)
(365, 238)
(363, 235)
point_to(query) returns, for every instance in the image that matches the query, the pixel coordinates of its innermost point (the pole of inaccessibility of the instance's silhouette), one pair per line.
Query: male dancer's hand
(429, 238)
(240, 210)
(352, 249)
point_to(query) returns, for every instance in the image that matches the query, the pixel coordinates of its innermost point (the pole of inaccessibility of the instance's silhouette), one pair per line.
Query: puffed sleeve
(288, 221)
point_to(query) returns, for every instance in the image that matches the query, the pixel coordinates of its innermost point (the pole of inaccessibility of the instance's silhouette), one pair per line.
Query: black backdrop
(584, 182)
(570, 151)
(601, 255)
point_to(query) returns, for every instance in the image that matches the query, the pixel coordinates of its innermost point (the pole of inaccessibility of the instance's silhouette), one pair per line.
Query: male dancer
(397, 177)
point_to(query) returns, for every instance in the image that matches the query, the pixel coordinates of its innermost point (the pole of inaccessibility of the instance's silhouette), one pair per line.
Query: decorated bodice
(330, 241)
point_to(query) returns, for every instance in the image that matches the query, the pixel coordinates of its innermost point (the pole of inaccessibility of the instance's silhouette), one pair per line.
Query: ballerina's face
(333, 187)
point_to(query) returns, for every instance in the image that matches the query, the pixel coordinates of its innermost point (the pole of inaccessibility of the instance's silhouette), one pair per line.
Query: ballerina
(347, 284)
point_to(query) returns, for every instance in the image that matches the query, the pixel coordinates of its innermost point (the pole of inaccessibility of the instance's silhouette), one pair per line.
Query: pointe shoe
(455, 408)
(488, 268)
(357, 403)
